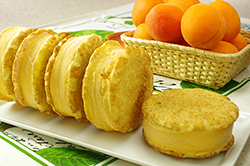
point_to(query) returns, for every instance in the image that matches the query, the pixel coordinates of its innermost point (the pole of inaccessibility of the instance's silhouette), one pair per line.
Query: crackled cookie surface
(116, 83)
(191, 123)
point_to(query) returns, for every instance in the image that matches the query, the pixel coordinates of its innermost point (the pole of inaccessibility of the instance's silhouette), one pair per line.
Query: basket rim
(196, 51)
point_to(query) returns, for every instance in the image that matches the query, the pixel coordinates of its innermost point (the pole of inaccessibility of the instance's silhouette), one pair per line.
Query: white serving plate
(130, 146)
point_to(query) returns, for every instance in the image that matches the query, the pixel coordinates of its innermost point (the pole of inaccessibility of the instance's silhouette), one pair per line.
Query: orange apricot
(141, 9)
(218, 36)
(141, 32)
(163, 23)
(224, 47)
(239, 41)
(231, 17)
(183, 4)
(203, 26)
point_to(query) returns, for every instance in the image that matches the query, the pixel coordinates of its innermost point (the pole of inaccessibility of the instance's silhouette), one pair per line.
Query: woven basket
(206, 68)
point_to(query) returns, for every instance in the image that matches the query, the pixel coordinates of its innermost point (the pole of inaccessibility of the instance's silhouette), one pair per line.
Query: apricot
(231, 16)
(163, 23)
(141, 9)
(183, 4)
(224, 47)
(203, 26)
(239, 42)
(141, 32)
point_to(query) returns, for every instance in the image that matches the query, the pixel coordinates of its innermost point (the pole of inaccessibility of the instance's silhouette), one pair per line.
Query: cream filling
(194, 143)
(60, 73)
(102, 88)
(5, 41)
(26, 68)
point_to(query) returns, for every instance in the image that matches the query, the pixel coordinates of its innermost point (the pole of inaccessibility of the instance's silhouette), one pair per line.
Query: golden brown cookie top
(190, 110)
(116, 83)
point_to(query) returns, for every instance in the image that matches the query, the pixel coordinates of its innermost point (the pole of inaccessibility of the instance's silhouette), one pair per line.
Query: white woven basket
(206, 68)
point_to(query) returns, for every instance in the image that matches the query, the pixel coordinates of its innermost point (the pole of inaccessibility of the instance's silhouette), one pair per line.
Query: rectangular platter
(130, 147)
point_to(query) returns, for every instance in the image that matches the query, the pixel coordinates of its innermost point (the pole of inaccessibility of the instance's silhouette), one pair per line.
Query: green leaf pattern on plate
(70, 156)
(222, 90)
(229, 88)
(102, 33)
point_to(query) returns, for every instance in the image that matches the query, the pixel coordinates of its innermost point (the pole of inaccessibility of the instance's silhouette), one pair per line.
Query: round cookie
(29, 68)
(116, 83)
(64, 74)
(189, 123)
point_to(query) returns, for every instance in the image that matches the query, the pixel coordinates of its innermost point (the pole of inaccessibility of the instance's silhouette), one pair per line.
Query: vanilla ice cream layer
(25, 72)
(60, 72)
(195, 143)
